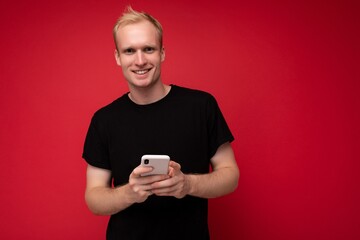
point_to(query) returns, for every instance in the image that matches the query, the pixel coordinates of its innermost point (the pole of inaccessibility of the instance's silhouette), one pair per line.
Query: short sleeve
(96, 152)
(218, 130)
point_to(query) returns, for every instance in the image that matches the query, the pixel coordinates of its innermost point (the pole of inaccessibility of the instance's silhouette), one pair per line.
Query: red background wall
(284, 74)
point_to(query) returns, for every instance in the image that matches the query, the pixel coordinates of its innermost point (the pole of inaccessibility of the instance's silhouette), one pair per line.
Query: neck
(143, 96)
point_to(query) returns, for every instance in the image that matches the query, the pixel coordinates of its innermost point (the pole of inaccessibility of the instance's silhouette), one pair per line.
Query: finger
(175, 165)
(138, 171)
(165, 192)
(164, 189)
(166, 183)
(147, 180)
(142, 189)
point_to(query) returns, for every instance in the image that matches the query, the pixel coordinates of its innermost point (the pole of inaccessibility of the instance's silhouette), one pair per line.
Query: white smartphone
(159, 163)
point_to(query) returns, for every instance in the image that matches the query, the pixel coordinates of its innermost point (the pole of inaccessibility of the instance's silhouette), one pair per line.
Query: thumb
(175, 165)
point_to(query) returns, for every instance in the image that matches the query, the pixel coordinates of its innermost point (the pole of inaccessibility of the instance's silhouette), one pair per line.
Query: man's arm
(221, 181)
(103, 199)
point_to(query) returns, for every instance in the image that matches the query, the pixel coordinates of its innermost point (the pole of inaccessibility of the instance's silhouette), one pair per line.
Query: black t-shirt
(188, 126)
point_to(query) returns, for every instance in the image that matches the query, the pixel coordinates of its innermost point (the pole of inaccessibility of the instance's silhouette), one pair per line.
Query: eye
(149, 49)
(129, 51)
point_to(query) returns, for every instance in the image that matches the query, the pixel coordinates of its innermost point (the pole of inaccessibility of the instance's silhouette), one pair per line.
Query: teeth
(141, 72)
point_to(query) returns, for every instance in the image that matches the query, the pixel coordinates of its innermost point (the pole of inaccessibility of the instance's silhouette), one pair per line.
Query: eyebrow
(142, 47)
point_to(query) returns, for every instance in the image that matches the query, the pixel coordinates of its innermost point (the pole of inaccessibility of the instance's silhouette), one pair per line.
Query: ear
(117, 57)
(162, 54)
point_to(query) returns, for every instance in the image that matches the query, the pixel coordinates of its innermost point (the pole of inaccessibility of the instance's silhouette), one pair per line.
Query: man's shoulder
(112, 108)
(192, 93)
(193, 97)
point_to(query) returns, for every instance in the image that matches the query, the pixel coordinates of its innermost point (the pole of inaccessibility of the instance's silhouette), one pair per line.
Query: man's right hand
(103, 199)
(139, 187)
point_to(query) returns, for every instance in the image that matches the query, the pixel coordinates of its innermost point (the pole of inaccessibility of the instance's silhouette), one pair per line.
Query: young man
(154, 118)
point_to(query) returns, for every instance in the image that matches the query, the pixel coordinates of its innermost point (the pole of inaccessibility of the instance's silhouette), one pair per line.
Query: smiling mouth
(141, 72)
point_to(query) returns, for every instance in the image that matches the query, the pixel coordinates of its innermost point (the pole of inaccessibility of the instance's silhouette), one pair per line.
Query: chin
(142, 84)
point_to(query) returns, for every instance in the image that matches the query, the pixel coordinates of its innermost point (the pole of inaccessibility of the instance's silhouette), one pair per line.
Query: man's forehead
(137, 34)
(137, 26)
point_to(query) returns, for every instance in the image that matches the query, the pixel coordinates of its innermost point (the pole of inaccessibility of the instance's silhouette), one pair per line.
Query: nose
(140, 58)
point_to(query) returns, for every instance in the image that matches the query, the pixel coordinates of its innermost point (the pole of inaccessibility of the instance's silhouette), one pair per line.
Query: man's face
(139, 54)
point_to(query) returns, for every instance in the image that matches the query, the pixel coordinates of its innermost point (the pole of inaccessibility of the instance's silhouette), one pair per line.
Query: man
(155, 118)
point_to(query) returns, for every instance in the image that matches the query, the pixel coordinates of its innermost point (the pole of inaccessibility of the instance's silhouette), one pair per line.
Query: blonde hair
(131, 16)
